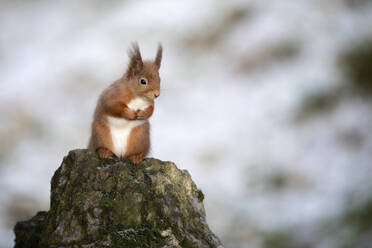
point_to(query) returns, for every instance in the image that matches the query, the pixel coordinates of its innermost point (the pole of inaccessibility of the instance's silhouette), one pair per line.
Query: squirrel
(120, 125)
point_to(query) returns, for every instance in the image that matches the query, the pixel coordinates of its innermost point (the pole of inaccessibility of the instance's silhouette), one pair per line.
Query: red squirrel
(120, 125)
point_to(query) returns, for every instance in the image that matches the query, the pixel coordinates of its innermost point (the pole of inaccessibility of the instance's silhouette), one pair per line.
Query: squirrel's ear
(135, 64)
(158, 57)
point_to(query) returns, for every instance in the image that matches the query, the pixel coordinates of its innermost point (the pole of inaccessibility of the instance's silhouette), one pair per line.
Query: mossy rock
(110, 203)
(28, 232)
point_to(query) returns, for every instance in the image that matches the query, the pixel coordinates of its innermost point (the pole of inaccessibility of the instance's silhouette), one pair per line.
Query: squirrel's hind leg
(105, 153)
(138, 143)
(101, 140)
(136, 158)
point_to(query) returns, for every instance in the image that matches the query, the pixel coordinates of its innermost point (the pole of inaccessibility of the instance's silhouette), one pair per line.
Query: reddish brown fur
(114, 102)
(139, 143)
(146, 113)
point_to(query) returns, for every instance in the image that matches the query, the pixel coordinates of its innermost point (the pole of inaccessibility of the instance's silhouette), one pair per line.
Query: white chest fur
(138, 103)
(121, 128)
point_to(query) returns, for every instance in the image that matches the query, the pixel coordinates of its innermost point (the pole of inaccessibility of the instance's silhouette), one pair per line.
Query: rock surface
(109, 203)
(28, 232)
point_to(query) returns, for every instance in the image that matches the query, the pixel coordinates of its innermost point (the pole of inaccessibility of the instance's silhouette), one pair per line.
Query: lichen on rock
(110, 203)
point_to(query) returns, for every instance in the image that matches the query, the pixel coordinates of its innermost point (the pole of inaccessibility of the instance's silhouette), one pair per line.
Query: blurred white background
(266, 103)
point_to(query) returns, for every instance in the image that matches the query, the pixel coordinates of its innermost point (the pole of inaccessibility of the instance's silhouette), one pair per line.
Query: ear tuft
(135, 64)
(159, 55)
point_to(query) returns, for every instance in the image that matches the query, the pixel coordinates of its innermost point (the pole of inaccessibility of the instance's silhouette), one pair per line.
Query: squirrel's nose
(156, 94)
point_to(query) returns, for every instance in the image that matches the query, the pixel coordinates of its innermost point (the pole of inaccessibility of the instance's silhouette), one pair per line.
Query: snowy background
(266, 103)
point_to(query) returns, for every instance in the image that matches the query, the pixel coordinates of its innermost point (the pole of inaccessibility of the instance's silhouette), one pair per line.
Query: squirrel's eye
(143, 81)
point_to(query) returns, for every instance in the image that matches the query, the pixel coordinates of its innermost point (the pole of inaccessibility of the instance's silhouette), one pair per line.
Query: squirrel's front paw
(145, 113)
(141, 115)
(131, 115)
